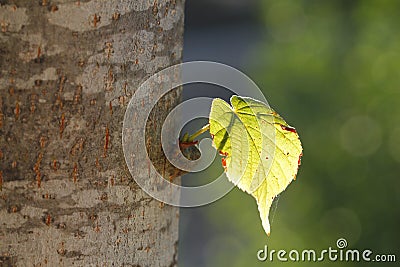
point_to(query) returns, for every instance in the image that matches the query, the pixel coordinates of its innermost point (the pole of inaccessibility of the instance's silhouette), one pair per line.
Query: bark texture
(68, 70)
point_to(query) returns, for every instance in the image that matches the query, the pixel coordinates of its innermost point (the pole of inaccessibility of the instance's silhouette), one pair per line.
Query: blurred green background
(332, 70)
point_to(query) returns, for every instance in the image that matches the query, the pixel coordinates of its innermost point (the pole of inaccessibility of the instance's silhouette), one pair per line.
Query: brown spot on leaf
(299, 161)
(223, 153)
(288, 128)
(224, 163)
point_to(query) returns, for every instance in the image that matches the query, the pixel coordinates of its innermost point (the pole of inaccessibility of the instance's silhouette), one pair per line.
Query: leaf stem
(199, 132)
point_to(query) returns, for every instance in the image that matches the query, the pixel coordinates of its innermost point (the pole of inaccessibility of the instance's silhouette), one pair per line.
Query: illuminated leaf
(261, 152)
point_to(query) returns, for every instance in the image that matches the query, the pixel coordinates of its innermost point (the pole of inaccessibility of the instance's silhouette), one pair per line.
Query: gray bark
(68, 70)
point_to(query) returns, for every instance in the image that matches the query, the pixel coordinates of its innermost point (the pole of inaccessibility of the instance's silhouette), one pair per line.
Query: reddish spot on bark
(1, 113)
(14, 209)
(97, 228)
(155, 8)
(98, 166)
(121, 100)
(4, 26)
(106, 141)
(39, 52)
(38, 179)
(33, 99)
(62, 124)
(1, 180)
(104, 197)
(42, 141)
(111, 108)
(36, 169)
(96, 19)
(109, 50)
(289, 129)
(38, 82)
(48, 219)
(62, 251)
(55, 165)
(16, 110)
(110, 80)
(78, 94)
(60, 90)
(75, 173)
(116, 16)
(53, 8)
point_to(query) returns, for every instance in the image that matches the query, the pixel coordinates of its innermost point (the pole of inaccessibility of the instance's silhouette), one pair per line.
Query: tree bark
(68, 71)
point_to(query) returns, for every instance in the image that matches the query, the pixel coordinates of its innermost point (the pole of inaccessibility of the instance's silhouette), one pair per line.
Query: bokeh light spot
(361, 136)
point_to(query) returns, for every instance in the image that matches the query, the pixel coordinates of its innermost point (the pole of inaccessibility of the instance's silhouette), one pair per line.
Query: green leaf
(261, 152)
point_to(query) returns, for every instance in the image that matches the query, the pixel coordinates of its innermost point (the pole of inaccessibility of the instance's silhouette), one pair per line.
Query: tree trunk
(68, 71)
